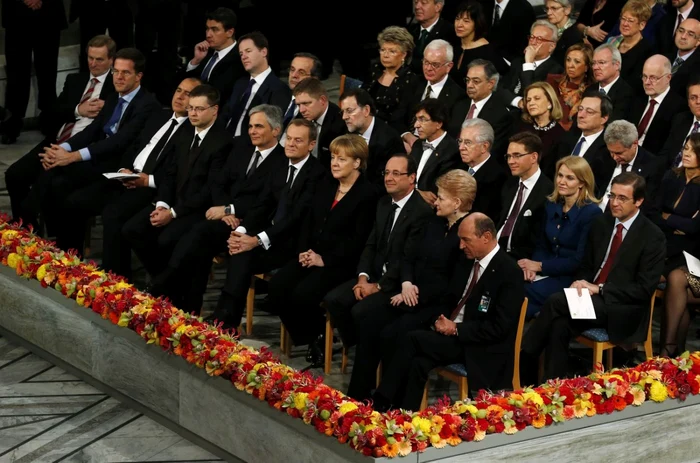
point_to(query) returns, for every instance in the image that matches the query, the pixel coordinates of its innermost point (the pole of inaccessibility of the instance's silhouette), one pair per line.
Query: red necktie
(642, 127)
(463, 301)
(614, 246)
(67, 129)
(470, 114)
(510, 221)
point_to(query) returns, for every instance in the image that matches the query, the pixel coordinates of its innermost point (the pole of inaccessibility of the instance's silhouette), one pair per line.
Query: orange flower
(539, 421)
(390, 450)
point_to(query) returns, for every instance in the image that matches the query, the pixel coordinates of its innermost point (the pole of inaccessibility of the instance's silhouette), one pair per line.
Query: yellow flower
(539, 421)
(405, 448)
(41, 272)
(533, 397)
(13, 259)
(122, 285)
(437, 441)
(421, 423)
(472, 410)
(658, 392)
(80, 297)
(9, 234)
(347, 407)
(454, 440)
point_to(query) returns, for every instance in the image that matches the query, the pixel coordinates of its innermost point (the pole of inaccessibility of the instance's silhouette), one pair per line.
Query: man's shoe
(315, 353)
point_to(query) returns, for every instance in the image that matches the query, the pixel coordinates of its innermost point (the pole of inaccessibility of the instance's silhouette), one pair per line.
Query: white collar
(100, 78)
(430, 28)
(592, 137)
(265, 153)
(484, 263)
(260, 78)
(368, 133)
(530, 182)
(687, 55)
(225, 51)
(502, 5)
(437, 87)
(299, 164)
(203, 133)
(660, 97)
(321, 118)
(480, 104)
(402, 202)
(478, 166)
(179, 119)
(628, 223)
(609, 86)
(437, 141)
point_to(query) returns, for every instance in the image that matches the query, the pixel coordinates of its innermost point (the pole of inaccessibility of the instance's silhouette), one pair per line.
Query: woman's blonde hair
(400, 36)
(637, 8)
(582, 170)
(556, 113)
(351, 145)
(459, 184)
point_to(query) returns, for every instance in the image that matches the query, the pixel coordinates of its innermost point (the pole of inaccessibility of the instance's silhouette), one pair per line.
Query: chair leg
(647, 348)
(424, 402)
(328, 357)
(597, 355)
(283, 340)
(379, 374)
(344, 363)
(609, 359)
(249, 305)
(463, 388)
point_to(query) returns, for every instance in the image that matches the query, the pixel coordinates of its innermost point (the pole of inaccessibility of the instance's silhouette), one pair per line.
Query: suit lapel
(403, 213)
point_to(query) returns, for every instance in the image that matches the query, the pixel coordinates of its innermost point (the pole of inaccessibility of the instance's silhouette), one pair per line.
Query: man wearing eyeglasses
(685, 62)
(621, 267)
(678, 11)
(606, 65)
(586, 139)
(429, 26)
(534, 64)
(683, 125)
(523, 197)
(653, 115)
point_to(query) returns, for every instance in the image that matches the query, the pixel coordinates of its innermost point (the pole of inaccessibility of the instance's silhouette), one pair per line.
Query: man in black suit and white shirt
(216, 60)
(653, 115)
(510, 22)
(303, 65)
(393, 241)
(477, 327)
(677, 12)
(429, 26)
(485, 103)
(621, 267)
(523, 197)
(357, 109)
(78, 104)
(534, 65)
(184, 195)
(606, 64)
(686, 63)
(475, 142)
(260, 86)
(683, 125)
(627, 156)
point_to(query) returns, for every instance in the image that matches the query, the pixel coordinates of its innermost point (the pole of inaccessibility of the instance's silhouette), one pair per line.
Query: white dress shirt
(607, 88)
(625, 228)
(618, 170)
(427, 153)
(589, 141)
(483, 265)
(368, 133)
(80, 121)
(142, 157)
(658, 99)
(478, 166)
(259, 79)
(222, 54)
(529, 185)
(480, 105)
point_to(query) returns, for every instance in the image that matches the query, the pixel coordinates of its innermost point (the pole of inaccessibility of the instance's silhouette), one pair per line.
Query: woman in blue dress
(570, 210)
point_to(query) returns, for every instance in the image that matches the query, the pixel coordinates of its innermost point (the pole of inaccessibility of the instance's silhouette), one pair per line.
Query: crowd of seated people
(487, 157)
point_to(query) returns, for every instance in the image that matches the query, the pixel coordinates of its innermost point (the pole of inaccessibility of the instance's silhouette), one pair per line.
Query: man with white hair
(653, 115)
(606, 64)
(429, 26)
(534, 64)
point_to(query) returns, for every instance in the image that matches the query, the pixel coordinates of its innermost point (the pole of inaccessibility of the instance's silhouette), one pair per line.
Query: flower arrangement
(300, 395)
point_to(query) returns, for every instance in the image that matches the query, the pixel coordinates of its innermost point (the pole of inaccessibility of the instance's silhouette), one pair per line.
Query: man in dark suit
(475, 142)
(233, 194)
(436, 152)
(587, 139)
(437, 63)
(268, 238)
(523, 197)
(217, 60)
(303, 65)
(686, 63)
(682, 126)
(83, 158)
(184, 195)
(627, 156)
(429, 26)
(393, 241)
(260, 86)
(621, 267)
(606, 64)
(149, 157)
(678, 11)
(48, 17)
(78, 104)
(509, 27)
(314, 106)
(653, 115)
(477, 327)
(485, 103)
(357, 109)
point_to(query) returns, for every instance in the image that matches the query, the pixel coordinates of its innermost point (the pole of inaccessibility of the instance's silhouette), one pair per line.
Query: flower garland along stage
(332, 413)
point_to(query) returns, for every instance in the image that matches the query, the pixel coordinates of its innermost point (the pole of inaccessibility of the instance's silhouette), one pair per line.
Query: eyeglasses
(652, 79)
(393, 173)
(114, 72)
(588, 111)
(349, 111)
(516, 156)
(627, 20)
(390, 51)
(620, 199)
(683, 31)
(553, 8)
(422, 120)
(474, 81)
(599, 62)
(538, 40)
(434, 66)
(196, 109)
(465, 142)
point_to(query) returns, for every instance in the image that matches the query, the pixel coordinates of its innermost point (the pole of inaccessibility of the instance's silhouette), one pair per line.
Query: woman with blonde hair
(633, 47)
(569, 87)
(570, 210)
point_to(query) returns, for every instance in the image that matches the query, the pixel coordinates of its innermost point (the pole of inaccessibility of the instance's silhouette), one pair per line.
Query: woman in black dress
(559, 14)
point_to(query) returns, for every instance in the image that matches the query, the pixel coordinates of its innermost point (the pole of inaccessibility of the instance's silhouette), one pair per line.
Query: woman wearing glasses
(634, 48)
(680, 221)
(471, 28)
(570, 210)
(570, 86)
(391, 78)
(658, 11)
(559, 15)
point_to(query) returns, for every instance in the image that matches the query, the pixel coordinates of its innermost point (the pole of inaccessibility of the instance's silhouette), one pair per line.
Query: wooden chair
(285, 341)
(250, 302)
(328, 348)
(346, 83)
(457, 373)
(598, 340)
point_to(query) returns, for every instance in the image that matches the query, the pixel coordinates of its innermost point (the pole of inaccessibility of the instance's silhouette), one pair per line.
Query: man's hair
(548, 25)
(301, 122)
(530, 141)
(211, 93)
(616, 56)
(362, 97)
(100, 41)
(484, 131)
(436, 109)
(621, 132)
(133, 55)
(439, 44)
(489, 69)
(258, 39)
(636, 181)
(317, 68)
(483, 224)
(693, 81)
(606, 106)
(195, 79)
(272, 113)
(225, 16)
(411, 164)
(312, 87)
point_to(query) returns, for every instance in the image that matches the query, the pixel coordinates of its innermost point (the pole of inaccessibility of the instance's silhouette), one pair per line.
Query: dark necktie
(496, 14)
(239, 107)
(422, 42)
(624, 166)
(290, 113)
(428, 92)
(67, 130)
(677, 65)
(644, 123)
(510, 221)
(462, 302)
(314, 152)
(577, 148)
(614, 246)
(428, 146)
(282, 204)
(470, 114)
(290, 178)
(679, 156)
(183, 171)
(207, 69)
(601, 90)
(256, 160)
(155, 152)
(113, 123)
(680, 20)
(194, 149)
(386, 233)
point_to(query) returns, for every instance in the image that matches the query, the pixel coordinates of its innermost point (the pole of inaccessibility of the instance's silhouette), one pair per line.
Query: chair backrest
(518, 341)
(346, 83)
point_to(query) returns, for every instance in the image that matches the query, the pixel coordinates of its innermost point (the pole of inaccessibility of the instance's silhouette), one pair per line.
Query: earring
(549, 107)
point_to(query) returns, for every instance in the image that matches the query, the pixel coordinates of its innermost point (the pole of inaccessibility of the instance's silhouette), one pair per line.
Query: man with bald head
(652, 115)
(476, 327)
(678, 11)
(685, 62)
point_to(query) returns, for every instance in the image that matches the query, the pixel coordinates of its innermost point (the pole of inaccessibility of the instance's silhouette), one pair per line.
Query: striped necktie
(67, 129)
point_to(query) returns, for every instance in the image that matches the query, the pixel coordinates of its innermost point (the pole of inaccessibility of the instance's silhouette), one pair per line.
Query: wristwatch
(600, 289)
(227, 210)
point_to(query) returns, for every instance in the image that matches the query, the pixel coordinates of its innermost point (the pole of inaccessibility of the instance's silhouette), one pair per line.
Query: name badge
(484, 304)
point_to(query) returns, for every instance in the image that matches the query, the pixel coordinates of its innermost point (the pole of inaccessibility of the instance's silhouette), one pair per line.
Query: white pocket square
(527, 213)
